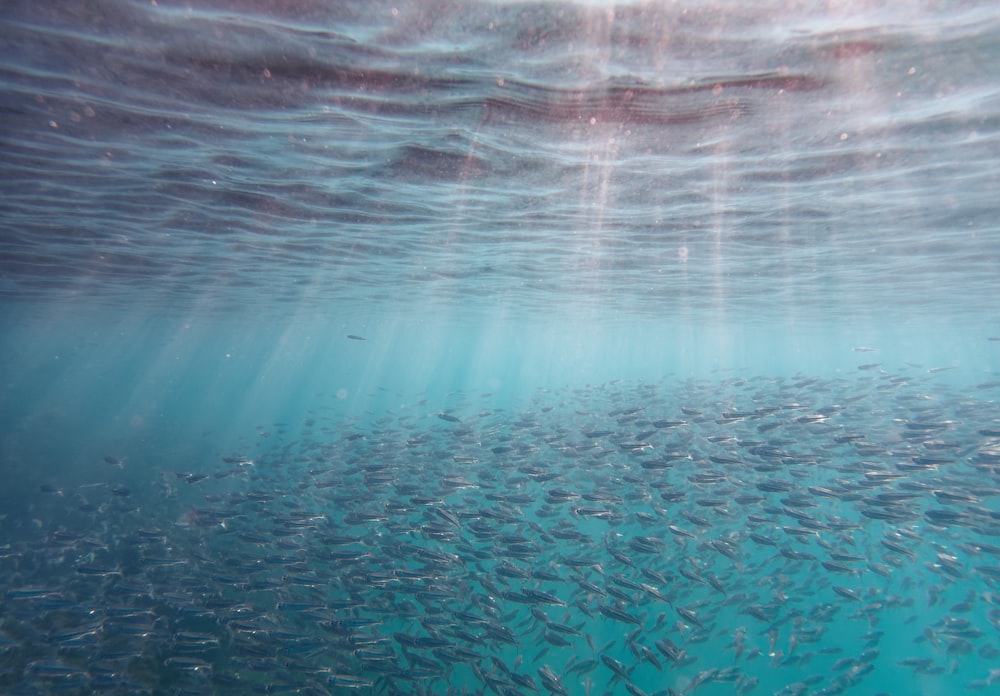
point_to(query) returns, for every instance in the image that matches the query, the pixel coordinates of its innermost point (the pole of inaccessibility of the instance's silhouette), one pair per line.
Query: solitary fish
(356, 338)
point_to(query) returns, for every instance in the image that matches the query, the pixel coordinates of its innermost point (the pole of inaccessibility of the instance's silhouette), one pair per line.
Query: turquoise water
(485, 347)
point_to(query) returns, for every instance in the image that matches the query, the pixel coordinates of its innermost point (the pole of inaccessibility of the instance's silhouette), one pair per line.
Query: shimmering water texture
(757, 535)
(663, 159)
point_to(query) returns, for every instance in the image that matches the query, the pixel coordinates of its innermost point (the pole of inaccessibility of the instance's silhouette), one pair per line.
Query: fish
(847, 592)
(618, 613)
(616, 667)
(528, 550)
(689, 616)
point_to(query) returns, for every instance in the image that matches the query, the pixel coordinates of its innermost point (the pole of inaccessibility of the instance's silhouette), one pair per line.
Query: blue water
(271, 244)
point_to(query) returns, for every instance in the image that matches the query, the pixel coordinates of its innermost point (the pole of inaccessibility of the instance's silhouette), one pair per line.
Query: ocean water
(474, 347)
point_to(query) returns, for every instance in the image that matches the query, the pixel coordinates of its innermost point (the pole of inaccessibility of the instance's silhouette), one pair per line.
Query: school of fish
(739, 535)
